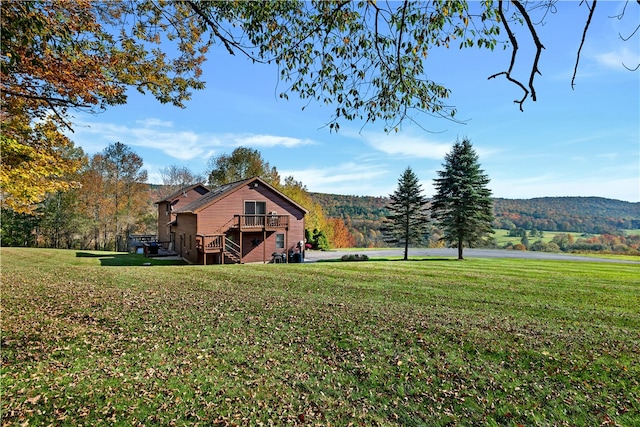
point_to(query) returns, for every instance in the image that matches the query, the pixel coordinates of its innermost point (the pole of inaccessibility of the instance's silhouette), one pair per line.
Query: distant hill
(583, 214)
(576, 214)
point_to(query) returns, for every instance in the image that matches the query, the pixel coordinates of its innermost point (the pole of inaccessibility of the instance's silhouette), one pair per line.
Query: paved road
(311, 256)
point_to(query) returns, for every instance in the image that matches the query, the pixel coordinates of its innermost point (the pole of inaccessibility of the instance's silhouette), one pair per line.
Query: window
(251, 207)
(280, 241)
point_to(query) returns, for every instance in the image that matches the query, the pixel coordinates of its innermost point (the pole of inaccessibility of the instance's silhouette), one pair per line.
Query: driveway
(312, 256)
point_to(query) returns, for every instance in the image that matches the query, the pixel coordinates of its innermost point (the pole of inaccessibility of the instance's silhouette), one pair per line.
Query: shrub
(355, 257)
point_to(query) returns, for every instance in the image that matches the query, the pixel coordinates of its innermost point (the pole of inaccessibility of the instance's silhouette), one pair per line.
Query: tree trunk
(460, 249)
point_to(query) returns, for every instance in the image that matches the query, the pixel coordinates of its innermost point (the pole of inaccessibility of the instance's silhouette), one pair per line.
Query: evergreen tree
(408, 220)
(462, 204)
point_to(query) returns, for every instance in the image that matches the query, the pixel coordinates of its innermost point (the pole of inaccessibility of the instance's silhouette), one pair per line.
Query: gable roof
(227, 189)
(179, 192)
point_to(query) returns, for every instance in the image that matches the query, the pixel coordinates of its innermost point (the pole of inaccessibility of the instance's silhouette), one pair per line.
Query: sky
(570, 142)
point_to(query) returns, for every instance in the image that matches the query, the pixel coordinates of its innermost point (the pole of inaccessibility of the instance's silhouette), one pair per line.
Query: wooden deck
(268, 222)
(218, 243)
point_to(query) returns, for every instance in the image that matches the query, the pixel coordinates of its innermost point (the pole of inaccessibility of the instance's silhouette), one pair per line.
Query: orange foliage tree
(341, 236)
(81, 55)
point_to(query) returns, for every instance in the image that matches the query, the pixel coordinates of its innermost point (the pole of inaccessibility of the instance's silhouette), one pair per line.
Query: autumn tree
(85, 55)
(121, 198)
(341, 236)
(175, 177)
(62, 56)
(297, 191)
(462, 205)
(408, 219)
(242, 163)
(367, 60)
(36, 160)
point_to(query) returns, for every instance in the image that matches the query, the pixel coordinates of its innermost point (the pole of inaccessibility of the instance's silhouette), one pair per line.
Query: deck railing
(210, 242)
(268, 221)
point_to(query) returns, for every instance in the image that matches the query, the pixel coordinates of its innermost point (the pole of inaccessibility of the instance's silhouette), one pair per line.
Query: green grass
(502, 237)
(432, 342)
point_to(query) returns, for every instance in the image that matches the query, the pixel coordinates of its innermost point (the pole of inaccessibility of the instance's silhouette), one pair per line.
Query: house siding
(186, 230)
(218, 217)
(164, 218)
(166, 209)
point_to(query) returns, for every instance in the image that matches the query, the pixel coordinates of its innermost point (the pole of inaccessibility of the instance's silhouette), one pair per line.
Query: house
(167, 208)
(241, 222)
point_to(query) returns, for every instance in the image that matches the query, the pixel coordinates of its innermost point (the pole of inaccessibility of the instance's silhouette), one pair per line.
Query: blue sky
(582, 142)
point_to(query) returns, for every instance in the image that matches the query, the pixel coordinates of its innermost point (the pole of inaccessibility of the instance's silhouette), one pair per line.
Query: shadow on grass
(124, 259)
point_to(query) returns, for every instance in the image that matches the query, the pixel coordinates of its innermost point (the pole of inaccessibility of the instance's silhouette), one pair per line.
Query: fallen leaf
(34, 400)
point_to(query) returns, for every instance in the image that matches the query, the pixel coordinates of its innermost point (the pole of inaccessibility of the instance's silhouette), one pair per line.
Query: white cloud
(270, 141)
(155, 122)
(161, 135)
(346, 178)
(619, 59)
(403, 145)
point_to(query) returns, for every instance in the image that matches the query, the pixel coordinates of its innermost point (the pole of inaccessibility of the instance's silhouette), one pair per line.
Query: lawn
(98, 339)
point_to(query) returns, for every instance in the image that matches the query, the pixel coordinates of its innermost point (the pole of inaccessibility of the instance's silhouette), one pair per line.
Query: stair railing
(232, 248)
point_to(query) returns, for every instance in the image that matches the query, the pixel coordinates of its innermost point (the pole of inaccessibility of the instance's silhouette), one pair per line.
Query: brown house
(245, 221)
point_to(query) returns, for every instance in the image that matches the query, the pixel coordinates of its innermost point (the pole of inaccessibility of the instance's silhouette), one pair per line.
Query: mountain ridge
(567, 213)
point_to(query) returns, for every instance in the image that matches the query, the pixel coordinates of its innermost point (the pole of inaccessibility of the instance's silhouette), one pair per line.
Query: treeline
(593, 215)
(364, 217)
(107, 201)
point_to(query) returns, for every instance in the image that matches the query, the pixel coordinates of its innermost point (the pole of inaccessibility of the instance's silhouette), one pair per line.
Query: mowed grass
(432, 342)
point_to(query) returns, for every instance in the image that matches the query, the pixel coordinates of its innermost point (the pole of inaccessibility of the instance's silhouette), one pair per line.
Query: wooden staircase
(231, 250)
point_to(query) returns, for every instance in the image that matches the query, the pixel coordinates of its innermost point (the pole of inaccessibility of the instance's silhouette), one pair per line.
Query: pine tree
(408, 220)
(462, 204)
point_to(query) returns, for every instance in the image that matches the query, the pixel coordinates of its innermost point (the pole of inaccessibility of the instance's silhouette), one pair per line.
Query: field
(98, 339)
(502, 237)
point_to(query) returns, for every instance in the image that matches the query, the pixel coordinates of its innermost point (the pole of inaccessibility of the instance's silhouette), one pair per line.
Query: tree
(242, 163)
(341, 236)
(462, 204)
(408, 220)
(36, 161)
(81, 55)
(366, 59)
(16, 228)
(125, 189)
(317, 239)
(369, 59)
(175, 177)
(94, 203)
(84, 55)
(315, 218)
